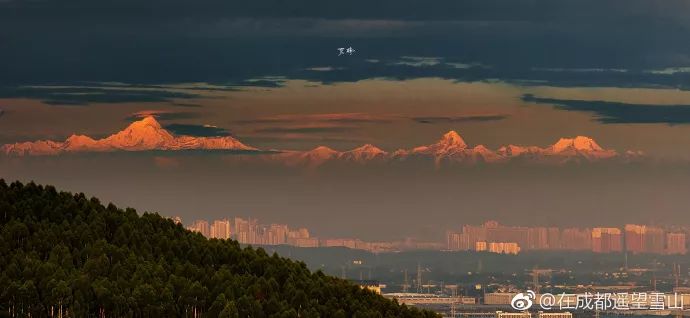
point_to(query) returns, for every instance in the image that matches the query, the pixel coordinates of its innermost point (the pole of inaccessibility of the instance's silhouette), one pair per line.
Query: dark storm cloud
(299, 138)
(384, 9)
(352, 118)
(197, 130)
(79, 96)
(360, 118)
(306, 130)
(237, 43)
(458, 119)
(371, 119)
(261, 83)
(163, 115)
(190, 105)
(620, 113)
(196, 87)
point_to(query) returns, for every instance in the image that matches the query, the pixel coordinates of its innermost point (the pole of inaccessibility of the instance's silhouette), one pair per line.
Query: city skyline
(630, 238)
(491, 236)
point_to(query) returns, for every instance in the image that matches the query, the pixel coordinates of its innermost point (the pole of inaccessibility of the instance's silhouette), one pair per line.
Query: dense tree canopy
(65, 255)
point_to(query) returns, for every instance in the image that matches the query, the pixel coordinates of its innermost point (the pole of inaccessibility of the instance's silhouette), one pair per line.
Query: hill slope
(63, 254)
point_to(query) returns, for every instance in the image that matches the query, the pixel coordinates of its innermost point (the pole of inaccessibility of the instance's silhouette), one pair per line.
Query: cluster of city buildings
(250, 231)
(490, 237)
(494, 237)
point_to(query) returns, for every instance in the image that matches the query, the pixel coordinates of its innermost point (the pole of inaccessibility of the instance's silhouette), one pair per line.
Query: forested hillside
(64, 254)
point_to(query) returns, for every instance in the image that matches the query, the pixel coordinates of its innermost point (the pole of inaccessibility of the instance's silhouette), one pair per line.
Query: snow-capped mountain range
(147, 134)
(143, 135)
(452, 148)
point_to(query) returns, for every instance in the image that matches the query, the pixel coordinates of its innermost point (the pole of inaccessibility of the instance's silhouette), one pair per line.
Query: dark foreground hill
(64, 254)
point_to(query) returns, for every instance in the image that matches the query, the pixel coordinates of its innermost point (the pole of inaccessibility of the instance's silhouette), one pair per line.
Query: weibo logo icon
(522, 301)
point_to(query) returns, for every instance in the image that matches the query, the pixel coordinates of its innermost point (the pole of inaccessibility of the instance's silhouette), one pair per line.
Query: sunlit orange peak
(453, 138)
(582, 143)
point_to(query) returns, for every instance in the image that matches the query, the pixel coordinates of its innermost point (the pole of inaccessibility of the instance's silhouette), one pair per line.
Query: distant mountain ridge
(147, 134)
(452, 148)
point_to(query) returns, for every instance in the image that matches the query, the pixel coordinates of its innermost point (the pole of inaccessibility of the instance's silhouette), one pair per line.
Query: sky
(268, 73)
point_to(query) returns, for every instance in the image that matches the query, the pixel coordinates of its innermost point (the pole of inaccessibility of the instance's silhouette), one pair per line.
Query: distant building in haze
(277, 234)
(504, 247)
(498, 247)
(220, 229)
(654, 240)
(349, 243)
(304, 242)
(242, 230)
(675, 243)
(200, 226)
(606, 240)
(635, 238)
(500, 233)
(554, 238)
(576, 239)
(538, 238)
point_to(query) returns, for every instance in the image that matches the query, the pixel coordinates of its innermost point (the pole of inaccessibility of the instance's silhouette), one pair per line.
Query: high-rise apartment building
(655, 240)
(473, 235)
(220, 229)
(245, 231)
(675, 243)
(500, 233)
(453, 241)
(299, 233)
(635, 238)
(554, 238)
(576, 239)
(606, 240)
(301, 238)
(538, 238)
(200, 226)
(277, 234)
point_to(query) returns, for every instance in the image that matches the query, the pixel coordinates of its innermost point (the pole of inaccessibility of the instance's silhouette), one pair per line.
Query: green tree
(230, 311)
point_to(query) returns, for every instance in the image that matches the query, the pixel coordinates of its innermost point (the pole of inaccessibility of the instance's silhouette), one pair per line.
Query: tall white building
(220, 229)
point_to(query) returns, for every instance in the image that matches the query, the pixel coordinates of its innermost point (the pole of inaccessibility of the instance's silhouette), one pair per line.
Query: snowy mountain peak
(452, 139)
(322, 150)
(368, 148)
(144, 134)
(364, 154)
(148, 121)
(579, 143)
(141, 135)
